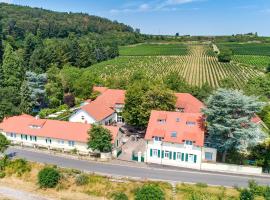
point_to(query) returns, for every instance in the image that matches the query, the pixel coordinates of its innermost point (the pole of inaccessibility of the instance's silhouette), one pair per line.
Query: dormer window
(156, 138)
(180, 110)
(188, 142)
(161, 121)
(177, 119)
(190, 123)
(174, 134)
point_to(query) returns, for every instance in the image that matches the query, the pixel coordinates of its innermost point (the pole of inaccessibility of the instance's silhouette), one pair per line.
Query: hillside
(18, 20)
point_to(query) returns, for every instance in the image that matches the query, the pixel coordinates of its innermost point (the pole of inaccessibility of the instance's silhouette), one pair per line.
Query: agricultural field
(257, 62)
(247, 48)
(198, 66)
(153, 50)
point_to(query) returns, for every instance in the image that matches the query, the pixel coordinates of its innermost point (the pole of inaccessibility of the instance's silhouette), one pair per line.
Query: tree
(225, 55)
(246, 194)
(120, 196)
(26, 105)
(149, 192)
(1, 43)
(30, 43)
(268, 68)
(227, 83)
(229, 124)
(141, 98)
(4, 143)
(259, 86)
(48, 177)
(12, 68)
(267, 193)
(100, 139)
(176, 82)
(69, 100)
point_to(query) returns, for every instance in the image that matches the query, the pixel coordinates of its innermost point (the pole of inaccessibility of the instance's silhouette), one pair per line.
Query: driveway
(138, 172)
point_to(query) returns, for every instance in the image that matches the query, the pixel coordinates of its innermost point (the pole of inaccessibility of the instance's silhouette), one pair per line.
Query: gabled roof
(189, 103)
(103, 105)
(99, 89)
(176, 122)
(50, 128)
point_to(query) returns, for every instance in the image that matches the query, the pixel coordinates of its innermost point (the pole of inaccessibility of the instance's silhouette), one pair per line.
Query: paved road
(153, 173)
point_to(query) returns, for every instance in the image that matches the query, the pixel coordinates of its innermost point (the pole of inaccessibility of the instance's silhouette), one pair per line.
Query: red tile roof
(50, 128)
(189, 103)
(176, 122)
(99, 89)
(103, 105)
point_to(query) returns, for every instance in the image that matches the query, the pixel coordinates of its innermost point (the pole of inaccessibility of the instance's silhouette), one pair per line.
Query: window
(167, 154)
(188, 142)
(208, 156)
(82, 117)
(155, 152)
(119, 118)
(24, 137)
(178, 156)
(48, 141)
(161, 121)
(13, 135)
(33, 138)
(177, 119)
(179, 109)
(157, 138)
(71, 143)
(61, 142)
(189, 123)
(174, 134)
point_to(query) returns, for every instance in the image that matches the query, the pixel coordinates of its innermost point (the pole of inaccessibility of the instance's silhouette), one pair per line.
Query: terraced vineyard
(199, 66)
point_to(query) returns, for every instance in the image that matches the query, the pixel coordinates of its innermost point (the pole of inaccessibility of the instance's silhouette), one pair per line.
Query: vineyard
(257, 62)
(247, 48)
(199, 66)
(153, 50)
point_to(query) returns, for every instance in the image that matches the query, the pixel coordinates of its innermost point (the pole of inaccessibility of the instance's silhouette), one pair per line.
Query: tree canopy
(229, 124)
(4, 143)
(100, 139)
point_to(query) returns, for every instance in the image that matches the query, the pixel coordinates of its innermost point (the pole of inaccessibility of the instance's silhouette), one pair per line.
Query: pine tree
(12, 68)
(229, 121)
(26, 105)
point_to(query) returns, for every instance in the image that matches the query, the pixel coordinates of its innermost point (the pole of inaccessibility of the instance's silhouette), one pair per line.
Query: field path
(16, 194)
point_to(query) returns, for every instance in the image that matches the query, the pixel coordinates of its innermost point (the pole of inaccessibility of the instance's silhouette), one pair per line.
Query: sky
(192, 17)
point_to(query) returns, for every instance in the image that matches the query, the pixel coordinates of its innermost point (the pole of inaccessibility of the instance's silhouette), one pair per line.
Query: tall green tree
(229, 125)
(1, 43)
(30, 43)
(13, 69)
(100, 139)
(26, 105)
(4, 143)
(141, 98)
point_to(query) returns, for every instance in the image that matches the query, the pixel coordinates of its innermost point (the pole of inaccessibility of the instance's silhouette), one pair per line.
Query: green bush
(149, 192)
(246, 194)
(267, 193)
(2, 174)
(18, 167)
(82, 179)
(225, 55)
(255, 188)
(48, 177)
(202, 185)
(119, 196)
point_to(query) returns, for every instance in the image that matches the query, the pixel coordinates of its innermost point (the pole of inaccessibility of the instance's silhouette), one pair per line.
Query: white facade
(84, 117)
(179, 155)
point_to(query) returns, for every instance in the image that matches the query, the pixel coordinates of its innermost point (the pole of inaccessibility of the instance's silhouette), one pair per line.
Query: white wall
(55, 144)
(239, 169)
(173, 148)
(77, 117)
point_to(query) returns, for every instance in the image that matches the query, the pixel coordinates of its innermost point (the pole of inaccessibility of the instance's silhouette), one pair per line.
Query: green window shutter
(174, 155)
(159, 153)
(183, 157)
(151, 152)
(186, 157)
(170, 155)
(195, 158)
(162, 154)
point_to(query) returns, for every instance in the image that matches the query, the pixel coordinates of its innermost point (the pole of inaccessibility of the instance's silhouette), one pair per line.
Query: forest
(36, 44)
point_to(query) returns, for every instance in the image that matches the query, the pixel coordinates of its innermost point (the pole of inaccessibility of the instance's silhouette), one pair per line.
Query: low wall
(239, 169)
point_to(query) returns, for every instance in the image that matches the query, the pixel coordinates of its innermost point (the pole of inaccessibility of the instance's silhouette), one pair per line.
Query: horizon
(186, 17)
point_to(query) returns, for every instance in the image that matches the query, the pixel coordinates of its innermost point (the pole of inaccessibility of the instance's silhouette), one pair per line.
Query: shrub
(119, 196)
(246, 194)
(18, 167)
(267, 193)
(82, 179)
(255, 188)
(48, 177)
(149, 192)
(203, 185)
(225, 55)
(2, 174)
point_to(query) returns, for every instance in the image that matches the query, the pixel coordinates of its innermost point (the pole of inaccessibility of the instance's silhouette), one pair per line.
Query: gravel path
(15, 194)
